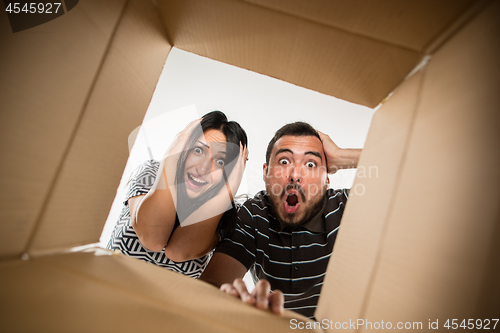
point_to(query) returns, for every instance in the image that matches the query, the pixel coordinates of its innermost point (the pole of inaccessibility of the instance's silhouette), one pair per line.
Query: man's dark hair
(298, 128)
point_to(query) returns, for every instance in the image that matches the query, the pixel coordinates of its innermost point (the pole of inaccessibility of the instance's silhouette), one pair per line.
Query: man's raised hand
(338, 158)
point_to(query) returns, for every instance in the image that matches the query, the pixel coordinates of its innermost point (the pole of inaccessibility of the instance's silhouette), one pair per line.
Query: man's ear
(264, 171)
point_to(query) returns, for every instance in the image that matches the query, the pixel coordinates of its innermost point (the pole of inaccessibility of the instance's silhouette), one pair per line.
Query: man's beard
(276, 200)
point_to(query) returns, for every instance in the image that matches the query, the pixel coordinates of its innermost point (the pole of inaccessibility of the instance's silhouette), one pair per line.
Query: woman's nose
(205, 166)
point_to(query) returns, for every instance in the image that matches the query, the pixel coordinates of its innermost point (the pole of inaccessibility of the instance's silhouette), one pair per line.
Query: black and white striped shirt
(293, 261)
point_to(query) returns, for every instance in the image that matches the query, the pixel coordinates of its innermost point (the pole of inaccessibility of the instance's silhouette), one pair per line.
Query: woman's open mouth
(195, 182)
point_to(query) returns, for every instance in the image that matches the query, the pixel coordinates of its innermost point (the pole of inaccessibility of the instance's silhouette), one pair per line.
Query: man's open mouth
(292, 199)
(291, 203)
(196, 181)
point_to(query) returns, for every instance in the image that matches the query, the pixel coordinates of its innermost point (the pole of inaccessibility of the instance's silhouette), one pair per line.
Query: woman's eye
(283, 161)
(311, 164)
(198, 150)
(220, 163)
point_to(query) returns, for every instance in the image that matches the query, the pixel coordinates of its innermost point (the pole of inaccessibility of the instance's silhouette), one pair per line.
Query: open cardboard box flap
(89, 292)
(358, 51)
(74, 88)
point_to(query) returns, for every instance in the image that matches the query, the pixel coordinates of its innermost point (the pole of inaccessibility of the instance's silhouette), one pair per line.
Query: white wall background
(191, 86)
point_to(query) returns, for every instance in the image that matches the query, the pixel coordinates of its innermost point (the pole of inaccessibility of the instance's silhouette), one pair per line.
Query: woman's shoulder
(150, 164)
(148, 168)
(142, 179)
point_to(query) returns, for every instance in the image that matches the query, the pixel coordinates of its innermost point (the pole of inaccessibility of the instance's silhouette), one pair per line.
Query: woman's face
(205, 163)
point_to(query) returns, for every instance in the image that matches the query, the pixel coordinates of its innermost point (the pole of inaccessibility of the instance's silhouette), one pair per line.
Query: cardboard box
(419, 245)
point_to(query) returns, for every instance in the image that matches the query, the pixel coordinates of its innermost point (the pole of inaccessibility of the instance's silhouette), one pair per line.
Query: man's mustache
(294, 186)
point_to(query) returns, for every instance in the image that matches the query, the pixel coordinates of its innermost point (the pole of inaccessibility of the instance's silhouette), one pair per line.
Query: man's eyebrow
(315, 153)
(283, 150)
(311, 152)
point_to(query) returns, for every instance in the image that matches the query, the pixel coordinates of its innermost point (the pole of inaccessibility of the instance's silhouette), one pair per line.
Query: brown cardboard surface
(488, 305)
(442, 234)
(419, 244)
(46, 73)
(361, 235)
(81, 292)
(87, 181)
(409, 24)
(350, 66)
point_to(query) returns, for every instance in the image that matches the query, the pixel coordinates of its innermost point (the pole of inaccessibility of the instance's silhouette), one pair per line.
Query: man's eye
(220, 163)
(311, 164)
(283, 161)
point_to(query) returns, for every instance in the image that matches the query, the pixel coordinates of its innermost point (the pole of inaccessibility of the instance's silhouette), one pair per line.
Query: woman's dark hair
(234, 136)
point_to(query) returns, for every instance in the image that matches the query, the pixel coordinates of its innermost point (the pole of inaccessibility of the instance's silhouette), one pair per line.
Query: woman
(176, 211)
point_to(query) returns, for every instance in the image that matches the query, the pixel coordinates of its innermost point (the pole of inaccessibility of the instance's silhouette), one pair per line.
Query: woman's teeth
(196, 180)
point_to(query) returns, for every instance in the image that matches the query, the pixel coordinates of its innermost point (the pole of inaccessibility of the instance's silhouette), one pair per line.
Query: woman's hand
(181, 138)
(234, 179)
(172, 155)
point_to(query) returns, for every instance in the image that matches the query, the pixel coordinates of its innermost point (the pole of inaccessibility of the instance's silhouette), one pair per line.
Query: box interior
(419, 244)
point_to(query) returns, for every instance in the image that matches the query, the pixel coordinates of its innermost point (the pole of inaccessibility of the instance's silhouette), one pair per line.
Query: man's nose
(295, 176)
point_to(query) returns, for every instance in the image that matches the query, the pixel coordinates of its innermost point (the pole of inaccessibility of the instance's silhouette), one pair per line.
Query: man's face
(296, 178)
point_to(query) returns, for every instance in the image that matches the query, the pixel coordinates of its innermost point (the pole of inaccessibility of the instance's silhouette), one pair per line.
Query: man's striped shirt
(293, 261)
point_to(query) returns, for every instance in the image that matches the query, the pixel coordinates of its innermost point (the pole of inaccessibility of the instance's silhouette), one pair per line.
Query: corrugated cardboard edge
(84, 292)
(352, 266)
(98, 151)
(428, 271)
(299, 51)
(47, 72)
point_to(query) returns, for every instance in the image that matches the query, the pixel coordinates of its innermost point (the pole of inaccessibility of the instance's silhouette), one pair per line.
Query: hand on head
(204, 167)
(181, 139)
(173, 153)
(199, 146)
(338, 158)
(236, 175)
(331, 150)
(261, 297)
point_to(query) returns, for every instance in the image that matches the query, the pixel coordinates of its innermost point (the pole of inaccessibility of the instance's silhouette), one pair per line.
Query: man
(285, 235)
